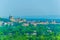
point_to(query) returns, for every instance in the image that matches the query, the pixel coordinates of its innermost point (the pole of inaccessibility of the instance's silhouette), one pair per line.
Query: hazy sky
(30, 8)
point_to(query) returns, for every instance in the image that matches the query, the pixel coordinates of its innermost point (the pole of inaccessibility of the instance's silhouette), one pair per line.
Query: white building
(1, 23)
(25, 24)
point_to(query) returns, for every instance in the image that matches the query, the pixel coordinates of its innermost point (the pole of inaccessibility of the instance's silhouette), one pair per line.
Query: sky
(30, 8)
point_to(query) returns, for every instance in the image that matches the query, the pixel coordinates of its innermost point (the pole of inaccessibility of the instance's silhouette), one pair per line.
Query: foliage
(20, 32)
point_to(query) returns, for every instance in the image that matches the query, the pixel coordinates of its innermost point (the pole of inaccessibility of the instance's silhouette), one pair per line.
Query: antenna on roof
(10, 16)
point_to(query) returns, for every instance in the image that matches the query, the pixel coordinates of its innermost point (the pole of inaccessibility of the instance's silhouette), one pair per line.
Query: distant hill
(4, 19)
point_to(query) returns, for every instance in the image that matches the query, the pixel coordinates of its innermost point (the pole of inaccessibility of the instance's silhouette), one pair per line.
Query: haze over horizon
(30, 8)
